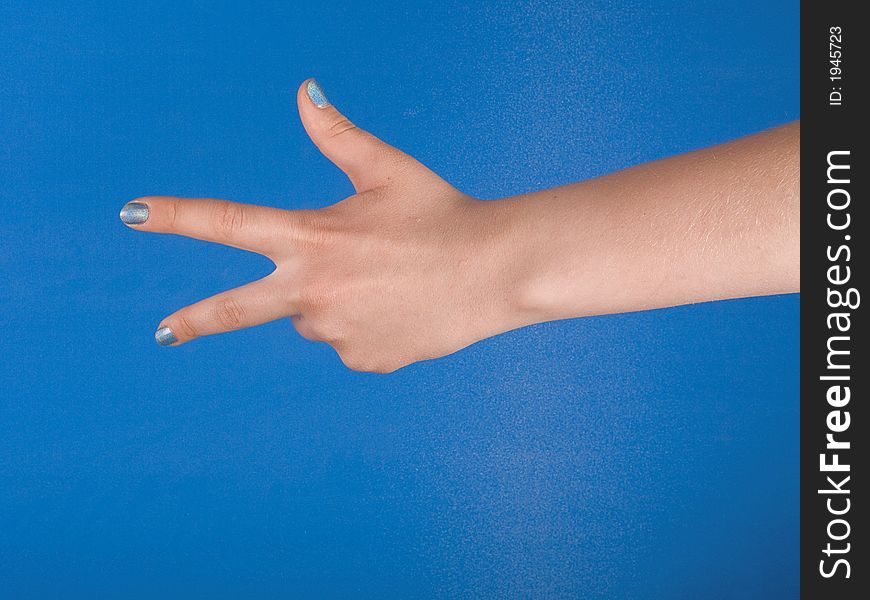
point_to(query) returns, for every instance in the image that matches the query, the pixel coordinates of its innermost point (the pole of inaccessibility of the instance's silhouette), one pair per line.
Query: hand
(408, 268)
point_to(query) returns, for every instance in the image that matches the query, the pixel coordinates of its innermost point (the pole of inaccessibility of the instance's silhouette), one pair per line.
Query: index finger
(250, 227)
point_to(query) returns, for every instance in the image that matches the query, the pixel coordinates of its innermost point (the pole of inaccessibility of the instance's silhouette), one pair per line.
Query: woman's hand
(408, 268)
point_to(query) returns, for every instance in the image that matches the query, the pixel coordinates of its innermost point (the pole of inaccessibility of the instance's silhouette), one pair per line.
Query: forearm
(723, 222)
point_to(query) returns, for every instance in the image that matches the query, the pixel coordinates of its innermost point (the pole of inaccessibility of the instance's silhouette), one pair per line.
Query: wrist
(546, 258)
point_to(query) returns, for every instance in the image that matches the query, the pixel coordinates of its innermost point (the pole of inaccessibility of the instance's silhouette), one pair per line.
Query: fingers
(365, 159)
(246, 226)
(253, 304)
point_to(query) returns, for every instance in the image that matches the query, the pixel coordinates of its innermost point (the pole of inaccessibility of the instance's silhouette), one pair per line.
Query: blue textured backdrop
(650, 455)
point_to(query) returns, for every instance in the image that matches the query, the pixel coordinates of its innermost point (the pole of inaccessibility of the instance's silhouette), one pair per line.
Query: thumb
(364, 158)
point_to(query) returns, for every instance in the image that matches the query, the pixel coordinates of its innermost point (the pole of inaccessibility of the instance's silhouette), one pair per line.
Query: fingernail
(165, 337)
(315, 92)
(134, 213)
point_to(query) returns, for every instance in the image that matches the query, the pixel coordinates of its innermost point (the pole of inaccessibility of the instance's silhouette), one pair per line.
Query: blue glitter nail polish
(165, 337)
(315, 92)
(134, 213)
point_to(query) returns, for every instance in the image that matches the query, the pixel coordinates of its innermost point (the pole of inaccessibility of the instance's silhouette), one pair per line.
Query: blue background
(650, 455)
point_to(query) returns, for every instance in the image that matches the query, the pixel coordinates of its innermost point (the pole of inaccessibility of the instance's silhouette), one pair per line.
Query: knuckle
(365, 362)
(172, 213)
(229, 313)
(326, 327)
(186, 326)
(304, 328)
(168, 209)
(338, 127)
(315, 295)
(388, 366)
(228, 218)
(354, 362)
(309, 230)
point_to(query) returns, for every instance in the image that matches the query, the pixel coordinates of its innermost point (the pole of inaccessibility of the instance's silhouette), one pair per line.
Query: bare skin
(410, 268)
